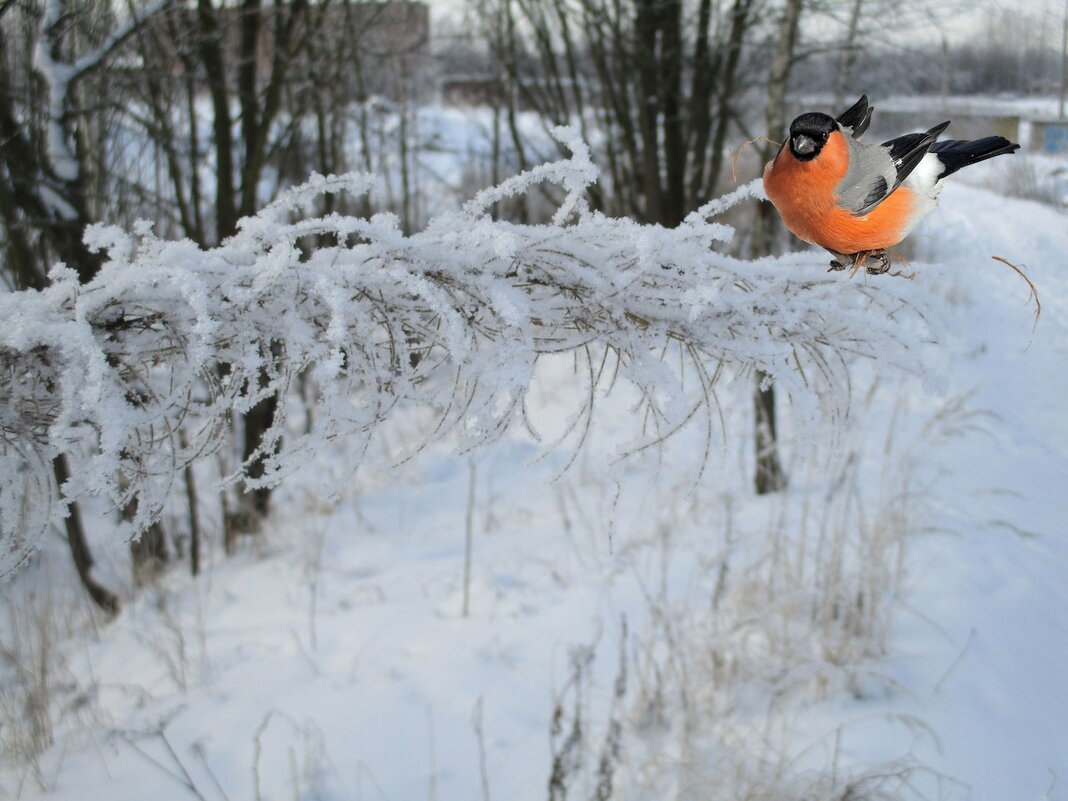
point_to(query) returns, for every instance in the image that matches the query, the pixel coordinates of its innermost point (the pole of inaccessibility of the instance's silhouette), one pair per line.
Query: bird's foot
(840, 262)
(877, 262)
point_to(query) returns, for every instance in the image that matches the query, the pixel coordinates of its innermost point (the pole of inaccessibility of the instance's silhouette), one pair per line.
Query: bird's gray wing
(856, 119)
(875, 171)
(869, 179)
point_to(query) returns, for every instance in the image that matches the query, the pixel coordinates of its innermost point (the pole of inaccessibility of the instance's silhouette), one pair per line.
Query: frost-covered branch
(135, 374)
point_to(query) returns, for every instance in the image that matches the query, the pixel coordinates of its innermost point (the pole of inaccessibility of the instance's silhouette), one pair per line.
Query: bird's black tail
(958, 153)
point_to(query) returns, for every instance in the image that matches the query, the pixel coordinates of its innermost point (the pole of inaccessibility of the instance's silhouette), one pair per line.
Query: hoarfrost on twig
(135, 374)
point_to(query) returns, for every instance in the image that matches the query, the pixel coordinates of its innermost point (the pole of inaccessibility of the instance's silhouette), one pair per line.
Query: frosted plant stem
(135, 375)
(469, 533)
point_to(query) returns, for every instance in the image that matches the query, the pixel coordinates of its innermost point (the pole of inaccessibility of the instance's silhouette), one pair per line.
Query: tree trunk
(148, 552)
(769, 473)
(79, 546)
(149, 555)
(194, 521)
(210, 45)
(849, 54)
(647, 28)
(255, 503)
(741, 21)
(25, 170)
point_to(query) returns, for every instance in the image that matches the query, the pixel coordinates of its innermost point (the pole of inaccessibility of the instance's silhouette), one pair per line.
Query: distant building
(531, 94)
(1048, 136)
(472, 90)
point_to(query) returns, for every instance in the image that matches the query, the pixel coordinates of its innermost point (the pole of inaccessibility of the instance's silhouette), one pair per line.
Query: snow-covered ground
(980, 650)
(333, 659)
(983, 642)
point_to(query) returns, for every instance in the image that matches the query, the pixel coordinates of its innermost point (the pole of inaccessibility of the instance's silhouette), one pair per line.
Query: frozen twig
(134, 375)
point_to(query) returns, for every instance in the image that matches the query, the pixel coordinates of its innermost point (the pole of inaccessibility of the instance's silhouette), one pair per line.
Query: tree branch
(453, 318)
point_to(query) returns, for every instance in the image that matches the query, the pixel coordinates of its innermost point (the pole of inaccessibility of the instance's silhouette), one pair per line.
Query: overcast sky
(1049, 14)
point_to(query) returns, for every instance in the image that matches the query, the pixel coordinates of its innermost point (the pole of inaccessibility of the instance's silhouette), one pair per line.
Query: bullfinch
(857, 199)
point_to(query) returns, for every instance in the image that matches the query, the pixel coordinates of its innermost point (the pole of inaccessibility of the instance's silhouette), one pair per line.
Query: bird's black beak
(803, 145)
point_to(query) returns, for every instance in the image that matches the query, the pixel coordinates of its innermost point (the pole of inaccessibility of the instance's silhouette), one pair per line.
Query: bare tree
(284, 65)
(246, 52)
(659, 78)
(49, 160)
(663, 99)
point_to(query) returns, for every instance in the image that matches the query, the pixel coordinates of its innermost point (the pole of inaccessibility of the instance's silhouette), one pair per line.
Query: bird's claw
(878, 262)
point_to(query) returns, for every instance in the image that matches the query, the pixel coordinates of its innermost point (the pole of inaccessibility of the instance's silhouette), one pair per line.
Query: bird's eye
(804, 145)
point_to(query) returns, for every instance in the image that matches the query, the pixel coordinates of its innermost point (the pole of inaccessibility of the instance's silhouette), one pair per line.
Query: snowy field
(645, 627)
(993, 684)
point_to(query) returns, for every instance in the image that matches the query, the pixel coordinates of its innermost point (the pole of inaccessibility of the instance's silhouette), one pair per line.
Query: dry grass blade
(1030, 284)
(737, 154)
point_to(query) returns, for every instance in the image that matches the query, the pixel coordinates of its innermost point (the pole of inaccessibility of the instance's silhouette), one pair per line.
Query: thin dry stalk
(1030, 285)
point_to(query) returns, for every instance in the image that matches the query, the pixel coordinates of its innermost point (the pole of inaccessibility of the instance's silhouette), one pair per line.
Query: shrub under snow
(136, 374)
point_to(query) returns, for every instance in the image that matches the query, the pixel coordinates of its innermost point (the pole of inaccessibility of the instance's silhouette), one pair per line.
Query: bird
(857, 199)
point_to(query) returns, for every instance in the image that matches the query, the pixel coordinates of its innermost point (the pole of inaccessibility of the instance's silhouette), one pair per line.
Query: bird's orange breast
(804, 193)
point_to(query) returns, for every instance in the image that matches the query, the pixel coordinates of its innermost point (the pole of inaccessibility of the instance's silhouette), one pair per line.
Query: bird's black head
(808, 134)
